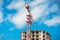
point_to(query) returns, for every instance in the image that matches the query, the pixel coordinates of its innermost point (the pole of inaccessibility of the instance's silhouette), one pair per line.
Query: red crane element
(28, 36)
(29, 17)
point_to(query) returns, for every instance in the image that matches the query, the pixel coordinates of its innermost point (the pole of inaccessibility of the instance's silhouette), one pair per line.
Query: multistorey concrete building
(36, 35)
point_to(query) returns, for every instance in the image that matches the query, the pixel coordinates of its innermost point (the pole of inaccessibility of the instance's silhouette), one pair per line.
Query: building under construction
(35, 34)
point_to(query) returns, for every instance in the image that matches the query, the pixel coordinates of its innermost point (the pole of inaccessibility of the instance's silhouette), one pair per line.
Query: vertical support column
(28, 32)
(29, 21)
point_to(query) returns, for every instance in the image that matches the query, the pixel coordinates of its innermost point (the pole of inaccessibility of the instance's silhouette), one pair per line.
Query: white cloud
(36, 2)
(20, 3)
(15, 5)
(54, 8)
(38, 11)
(54, 21)
(19, 18)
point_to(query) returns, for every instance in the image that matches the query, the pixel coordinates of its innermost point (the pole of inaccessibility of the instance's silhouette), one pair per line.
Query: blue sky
(46, 15)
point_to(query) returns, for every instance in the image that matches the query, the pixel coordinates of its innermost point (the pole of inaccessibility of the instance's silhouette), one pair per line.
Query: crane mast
(28, 21)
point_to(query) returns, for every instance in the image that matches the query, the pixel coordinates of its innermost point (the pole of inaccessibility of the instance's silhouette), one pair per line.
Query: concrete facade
(36, 35)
